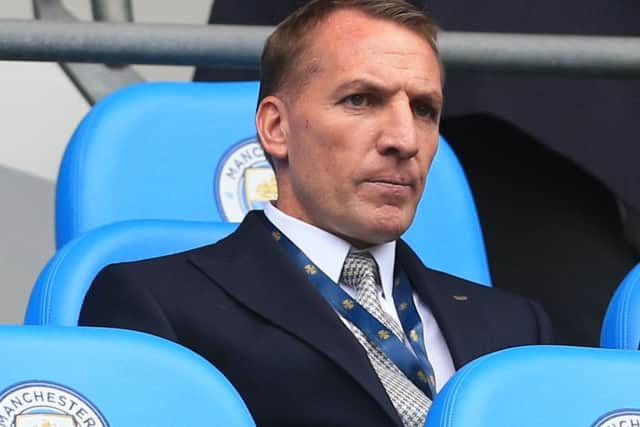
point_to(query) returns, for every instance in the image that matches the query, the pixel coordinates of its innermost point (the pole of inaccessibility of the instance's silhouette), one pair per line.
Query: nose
(399, 134)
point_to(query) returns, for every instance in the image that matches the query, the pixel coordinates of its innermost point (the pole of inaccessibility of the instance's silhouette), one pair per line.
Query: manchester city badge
(244, 180)
(619, 418)
(45, 404)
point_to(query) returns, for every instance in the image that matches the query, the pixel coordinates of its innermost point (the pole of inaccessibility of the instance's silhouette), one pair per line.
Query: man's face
(361, 133)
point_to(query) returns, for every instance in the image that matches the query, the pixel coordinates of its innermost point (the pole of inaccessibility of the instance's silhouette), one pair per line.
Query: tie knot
(359, 268)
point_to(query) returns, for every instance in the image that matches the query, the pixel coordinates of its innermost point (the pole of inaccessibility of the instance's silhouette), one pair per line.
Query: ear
(272, 126)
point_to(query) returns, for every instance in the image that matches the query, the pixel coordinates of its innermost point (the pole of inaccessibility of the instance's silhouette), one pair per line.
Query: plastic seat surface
(59, 291)
(621, 325)
(542, 386)
(187, 151)
(151, 151)
(94, 377)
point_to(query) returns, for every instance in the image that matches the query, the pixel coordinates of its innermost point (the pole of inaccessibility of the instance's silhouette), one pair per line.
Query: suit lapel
(258, 274)
(461, 315)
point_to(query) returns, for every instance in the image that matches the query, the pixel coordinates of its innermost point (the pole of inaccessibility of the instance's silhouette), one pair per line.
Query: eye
(425, 111)
(357, 100)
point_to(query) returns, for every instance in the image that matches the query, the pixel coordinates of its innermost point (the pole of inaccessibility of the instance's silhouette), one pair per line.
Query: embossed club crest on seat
(244, 180)
(45, 404)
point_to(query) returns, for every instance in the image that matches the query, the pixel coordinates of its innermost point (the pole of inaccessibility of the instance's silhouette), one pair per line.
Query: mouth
(392, 182)
(391, 189)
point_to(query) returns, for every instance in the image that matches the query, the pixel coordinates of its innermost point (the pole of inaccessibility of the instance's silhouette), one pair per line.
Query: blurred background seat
(621, 325)
(151, 151)
(108, 377)
(59, 291)
(542, 386)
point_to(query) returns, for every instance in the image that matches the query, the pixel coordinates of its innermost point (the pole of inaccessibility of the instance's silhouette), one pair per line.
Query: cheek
(324, 148)
(428, 151)
(426, 160)
(322, 151)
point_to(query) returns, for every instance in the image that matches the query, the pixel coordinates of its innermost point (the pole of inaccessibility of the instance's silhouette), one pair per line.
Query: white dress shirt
(328, 252)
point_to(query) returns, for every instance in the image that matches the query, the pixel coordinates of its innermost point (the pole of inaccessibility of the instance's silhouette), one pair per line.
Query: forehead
(351, 44)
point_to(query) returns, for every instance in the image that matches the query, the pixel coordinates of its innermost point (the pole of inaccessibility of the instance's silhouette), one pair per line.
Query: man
(314, 310)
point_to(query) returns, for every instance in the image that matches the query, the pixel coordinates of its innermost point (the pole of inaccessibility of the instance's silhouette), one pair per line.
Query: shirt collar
(328, 251)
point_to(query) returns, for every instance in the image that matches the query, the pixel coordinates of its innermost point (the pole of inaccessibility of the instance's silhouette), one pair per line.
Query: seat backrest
(69, 377)
(157, 151)
(621, 325)
(446, 231)
(188, 151)
(59, 291)
(542, 386)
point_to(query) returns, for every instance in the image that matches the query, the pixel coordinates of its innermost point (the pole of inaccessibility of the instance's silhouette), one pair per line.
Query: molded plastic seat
(58, 376)
(156, 151)
(621, 326)
(446, 232)
(187, 151)
(542, 386)
(59, 291)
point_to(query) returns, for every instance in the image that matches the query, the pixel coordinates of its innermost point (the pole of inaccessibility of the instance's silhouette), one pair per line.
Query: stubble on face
(345, 172)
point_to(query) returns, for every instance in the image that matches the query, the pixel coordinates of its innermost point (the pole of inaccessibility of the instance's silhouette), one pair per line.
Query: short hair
(291, 38)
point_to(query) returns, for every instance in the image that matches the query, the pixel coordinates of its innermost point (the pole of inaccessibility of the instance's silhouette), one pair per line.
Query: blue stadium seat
(156, 151)
(59, 291)
(70, 377)
(542, 386)
(446, 231)
(187, 151)
(621, 325)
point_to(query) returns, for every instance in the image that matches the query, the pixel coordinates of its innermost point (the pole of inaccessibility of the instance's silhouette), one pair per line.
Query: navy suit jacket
(244, 305)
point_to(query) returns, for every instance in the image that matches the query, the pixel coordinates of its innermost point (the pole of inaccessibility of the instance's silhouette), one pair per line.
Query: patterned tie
(360, 272)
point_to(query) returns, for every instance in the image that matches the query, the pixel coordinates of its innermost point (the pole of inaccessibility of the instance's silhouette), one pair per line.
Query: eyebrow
(366, 85)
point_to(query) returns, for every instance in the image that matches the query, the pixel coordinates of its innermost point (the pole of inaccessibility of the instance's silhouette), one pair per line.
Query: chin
(385, 232)
(391, 225)
(379, 226)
